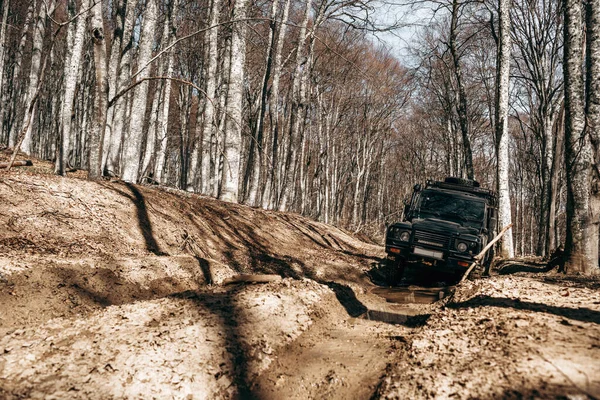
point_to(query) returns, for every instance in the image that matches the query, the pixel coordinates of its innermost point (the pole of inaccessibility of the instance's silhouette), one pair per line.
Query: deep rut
(339, 357)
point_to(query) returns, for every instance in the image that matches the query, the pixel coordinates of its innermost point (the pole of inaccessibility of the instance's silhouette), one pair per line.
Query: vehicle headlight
(462, 247)
(405, 236)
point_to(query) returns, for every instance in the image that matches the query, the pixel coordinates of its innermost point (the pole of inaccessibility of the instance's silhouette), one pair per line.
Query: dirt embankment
(110, 290)
(70, 246)
(115, 291)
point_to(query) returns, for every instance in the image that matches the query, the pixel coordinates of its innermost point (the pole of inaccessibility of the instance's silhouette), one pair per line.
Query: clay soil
(115, 291)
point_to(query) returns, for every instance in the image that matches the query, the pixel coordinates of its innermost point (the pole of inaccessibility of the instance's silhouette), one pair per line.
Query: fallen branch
(24, 163)
(480, 256)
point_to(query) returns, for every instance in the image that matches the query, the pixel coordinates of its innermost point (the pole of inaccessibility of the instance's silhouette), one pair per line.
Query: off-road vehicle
(445, 225)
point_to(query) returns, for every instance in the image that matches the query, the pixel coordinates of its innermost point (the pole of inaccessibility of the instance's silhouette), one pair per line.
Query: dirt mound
(111, 290)
(71, 246)
(506, 337)
(204, 345)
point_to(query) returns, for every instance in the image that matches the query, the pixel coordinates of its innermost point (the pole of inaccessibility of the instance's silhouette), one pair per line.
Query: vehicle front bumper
(433, 258)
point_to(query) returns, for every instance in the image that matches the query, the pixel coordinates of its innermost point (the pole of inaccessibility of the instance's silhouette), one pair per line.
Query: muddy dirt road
(110, 290)
(116, 291)
(342, 356)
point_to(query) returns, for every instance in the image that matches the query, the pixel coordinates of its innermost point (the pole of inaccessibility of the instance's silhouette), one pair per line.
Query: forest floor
(115, 291)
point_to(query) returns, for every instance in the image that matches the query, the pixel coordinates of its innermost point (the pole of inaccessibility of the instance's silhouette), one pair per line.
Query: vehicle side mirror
(417, 187)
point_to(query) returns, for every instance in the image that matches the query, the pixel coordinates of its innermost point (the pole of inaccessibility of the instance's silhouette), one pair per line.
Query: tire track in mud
(344, 354)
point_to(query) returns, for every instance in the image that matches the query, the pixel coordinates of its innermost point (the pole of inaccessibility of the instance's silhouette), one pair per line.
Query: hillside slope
(111, 290)
(74, 239)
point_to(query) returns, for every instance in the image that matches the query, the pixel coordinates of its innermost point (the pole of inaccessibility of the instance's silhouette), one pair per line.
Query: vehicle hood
(442, 226)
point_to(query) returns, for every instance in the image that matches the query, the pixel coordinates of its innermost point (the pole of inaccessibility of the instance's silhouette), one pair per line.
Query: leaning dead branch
(480, 256)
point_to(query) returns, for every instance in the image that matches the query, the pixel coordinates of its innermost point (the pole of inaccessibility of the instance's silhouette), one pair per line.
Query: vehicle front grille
(432, 240)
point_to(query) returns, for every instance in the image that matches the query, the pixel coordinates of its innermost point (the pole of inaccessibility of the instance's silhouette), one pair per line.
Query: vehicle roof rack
(469, 186)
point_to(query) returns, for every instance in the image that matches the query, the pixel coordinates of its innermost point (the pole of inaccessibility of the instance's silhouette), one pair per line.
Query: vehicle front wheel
(395, 271)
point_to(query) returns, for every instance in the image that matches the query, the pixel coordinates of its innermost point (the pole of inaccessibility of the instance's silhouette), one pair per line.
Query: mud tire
(395, 271)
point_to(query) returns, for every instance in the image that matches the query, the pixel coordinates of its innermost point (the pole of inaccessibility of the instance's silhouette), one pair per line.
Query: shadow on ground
(384, 274)
(579, 314)
(356, 309)
(509, 267)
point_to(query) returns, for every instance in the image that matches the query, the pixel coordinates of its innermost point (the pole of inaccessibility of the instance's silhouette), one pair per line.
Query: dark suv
(445, 225)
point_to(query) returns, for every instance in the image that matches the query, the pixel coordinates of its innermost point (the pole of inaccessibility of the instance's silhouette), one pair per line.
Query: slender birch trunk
(158, 145)
(592, 129)
(12, 133)
(502, 137)
(233, 125)
(113, 71)
(6, 6)
(256, 162)
(217, 171)
(71, 74)
(100, 98)
(39, 34)
(461, 107)
(163, 116)
(296, 110)
(112, 154)
(578, 152)
(150, 148)
(132, 148)
(209, 132)
(270, 186)
(557, 166)
(195, 170)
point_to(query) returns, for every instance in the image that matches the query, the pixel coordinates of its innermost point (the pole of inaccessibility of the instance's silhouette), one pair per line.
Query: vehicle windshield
(450, 207)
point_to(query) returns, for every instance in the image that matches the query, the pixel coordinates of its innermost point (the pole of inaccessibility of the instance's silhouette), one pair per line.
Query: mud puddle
(413, 294)
(339, 360)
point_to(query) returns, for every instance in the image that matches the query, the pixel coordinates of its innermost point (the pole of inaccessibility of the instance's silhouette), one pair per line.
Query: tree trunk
(12, 133)
(100, 98)
(195, 170)
(150, 147)
(578, 154)
(233, 120)
(557, 166)
(461, 107)
(256, 162)
(39, 33)
(132, 149)
(113, 69)
(270, 184)
(592, 129)
(502, 137)
(162, 123)
(118, 118)
(5, 7)
(296, 111)
(209, 132)
(71, 74)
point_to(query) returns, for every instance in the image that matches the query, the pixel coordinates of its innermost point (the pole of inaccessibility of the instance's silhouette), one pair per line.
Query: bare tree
(71, 74)
(233, 127)
(502, 138)
(101, 88)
